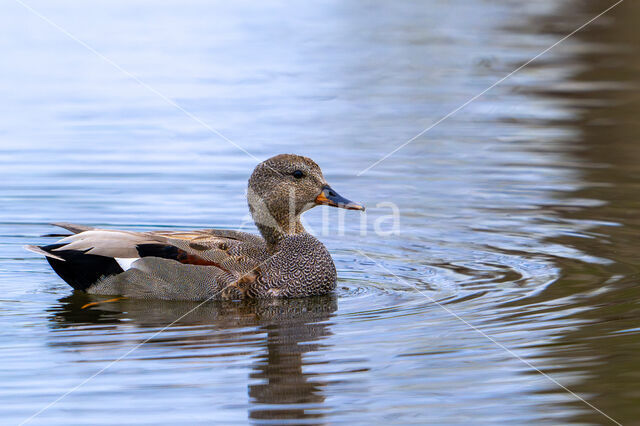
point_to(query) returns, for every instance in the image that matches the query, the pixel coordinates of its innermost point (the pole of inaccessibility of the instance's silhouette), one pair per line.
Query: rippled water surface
(509, 295)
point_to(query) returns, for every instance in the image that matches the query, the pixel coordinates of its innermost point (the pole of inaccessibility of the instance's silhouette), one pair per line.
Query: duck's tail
(77, 268)
(42, 251)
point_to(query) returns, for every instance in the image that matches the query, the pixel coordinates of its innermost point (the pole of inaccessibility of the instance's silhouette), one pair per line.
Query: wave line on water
(494, 341)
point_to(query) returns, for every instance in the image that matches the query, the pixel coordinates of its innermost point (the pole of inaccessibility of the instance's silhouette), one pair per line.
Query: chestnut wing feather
(233, 251)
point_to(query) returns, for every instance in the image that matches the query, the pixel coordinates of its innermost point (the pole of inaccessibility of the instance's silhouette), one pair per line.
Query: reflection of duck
(279, 388)
(279, 377)
(223, 264)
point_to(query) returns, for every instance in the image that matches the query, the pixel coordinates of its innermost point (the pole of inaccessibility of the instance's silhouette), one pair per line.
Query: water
(518, 214)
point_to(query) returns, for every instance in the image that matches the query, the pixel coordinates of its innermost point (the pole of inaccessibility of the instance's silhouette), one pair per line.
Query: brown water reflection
(605, 298)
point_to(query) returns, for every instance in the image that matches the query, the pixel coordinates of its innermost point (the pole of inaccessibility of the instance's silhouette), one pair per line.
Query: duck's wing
(84, 258)
(233, 251)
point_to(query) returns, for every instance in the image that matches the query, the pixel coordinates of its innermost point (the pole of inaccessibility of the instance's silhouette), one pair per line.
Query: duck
(284, 261)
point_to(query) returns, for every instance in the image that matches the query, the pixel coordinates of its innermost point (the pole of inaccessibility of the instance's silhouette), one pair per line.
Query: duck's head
(285, 186)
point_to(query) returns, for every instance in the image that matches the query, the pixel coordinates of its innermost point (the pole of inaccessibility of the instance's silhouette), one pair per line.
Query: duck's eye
(298, 174)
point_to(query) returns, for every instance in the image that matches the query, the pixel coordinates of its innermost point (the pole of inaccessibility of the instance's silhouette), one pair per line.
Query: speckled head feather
(280, 190)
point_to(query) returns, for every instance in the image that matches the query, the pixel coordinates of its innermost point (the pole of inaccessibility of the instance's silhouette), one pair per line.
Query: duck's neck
(273, 235)
(276, 221)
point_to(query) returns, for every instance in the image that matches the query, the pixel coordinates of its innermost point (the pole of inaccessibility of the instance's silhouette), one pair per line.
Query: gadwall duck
(213, 263)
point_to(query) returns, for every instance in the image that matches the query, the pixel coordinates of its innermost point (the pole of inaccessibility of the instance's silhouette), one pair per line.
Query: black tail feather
(81, 270)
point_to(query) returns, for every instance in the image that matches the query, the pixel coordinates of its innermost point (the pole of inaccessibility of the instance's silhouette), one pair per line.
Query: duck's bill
(329, 197)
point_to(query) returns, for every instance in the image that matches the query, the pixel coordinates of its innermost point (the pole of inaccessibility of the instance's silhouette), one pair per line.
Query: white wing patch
(120, 244)
(126, 262)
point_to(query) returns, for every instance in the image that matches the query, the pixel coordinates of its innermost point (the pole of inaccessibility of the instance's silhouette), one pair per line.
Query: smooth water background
(519, 214)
